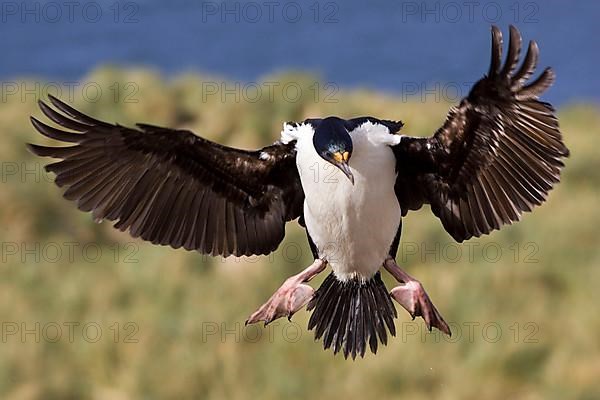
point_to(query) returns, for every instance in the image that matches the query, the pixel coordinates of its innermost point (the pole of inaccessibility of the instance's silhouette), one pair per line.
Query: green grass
(525, 322)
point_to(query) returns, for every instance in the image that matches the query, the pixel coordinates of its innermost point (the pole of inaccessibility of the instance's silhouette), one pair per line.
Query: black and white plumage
(349, 182)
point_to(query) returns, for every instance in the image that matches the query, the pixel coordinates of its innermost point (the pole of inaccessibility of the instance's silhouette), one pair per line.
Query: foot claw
(413, 297)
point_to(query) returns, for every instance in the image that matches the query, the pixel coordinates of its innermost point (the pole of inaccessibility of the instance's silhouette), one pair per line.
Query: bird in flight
(497, 155)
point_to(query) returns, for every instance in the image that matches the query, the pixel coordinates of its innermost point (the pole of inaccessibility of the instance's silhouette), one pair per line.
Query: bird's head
(334, 144)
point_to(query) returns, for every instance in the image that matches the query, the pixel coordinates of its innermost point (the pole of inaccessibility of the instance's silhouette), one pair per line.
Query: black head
(333, 143)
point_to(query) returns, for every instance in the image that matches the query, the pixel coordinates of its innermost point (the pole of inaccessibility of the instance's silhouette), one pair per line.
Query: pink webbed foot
(285, 302)
(412, 296)
(290, 297)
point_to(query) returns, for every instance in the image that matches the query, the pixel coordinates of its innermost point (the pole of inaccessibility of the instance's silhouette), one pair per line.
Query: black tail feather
(349, 314)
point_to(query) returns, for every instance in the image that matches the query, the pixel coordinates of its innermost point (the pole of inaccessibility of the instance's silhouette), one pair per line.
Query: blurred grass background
(525, 323)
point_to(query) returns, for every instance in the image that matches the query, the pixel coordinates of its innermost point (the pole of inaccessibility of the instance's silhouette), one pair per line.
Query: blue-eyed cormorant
(497, 155)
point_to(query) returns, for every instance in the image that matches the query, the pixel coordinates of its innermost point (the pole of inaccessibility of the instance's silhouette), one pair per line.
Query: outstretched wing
(497, 155)
(172, 187)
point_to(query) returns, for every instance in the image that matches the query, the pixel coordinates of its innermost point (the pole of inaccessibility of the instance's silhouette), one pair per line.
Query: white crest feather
(291, 132)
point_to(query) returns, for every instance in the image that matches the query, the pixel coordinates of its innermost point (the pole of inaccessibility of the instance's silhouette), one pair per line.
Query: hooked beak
(341, 161)
(346, 170)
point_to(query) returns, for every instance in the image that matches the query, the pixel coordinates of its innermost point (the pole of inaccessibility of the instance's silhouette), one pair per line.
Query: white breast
(353, 226)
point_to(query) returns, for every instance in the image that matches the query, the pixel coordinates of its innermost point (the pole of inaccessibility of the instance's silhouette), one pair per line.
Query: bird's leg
(413, 297)
(290, 297)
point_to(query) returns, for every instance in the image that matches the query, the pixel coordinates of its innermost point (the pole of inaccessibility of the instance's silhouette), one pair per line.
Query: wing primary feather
(54, 133)
(78, 116)
(538, 86)
(62, 120)
(514, 50)
(527, 68)
(496, 52)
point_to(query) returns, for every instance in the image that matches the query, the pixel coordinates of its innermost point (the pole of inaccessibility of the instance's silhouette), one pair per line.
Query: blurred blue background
(394, 46)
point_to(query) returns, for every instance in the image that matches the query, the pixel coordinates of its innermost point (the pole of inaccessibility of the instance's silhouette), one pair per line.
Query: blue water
(395, 46)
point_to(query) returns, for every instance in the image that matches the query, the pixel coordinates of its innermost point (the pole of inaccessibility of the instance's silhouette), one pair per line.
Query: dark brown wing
(172, 187)
(497, 155)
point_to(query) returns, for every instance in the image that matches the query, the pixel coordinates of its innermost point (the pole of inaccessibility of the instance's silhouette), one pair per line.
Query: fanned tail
(348, 314)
